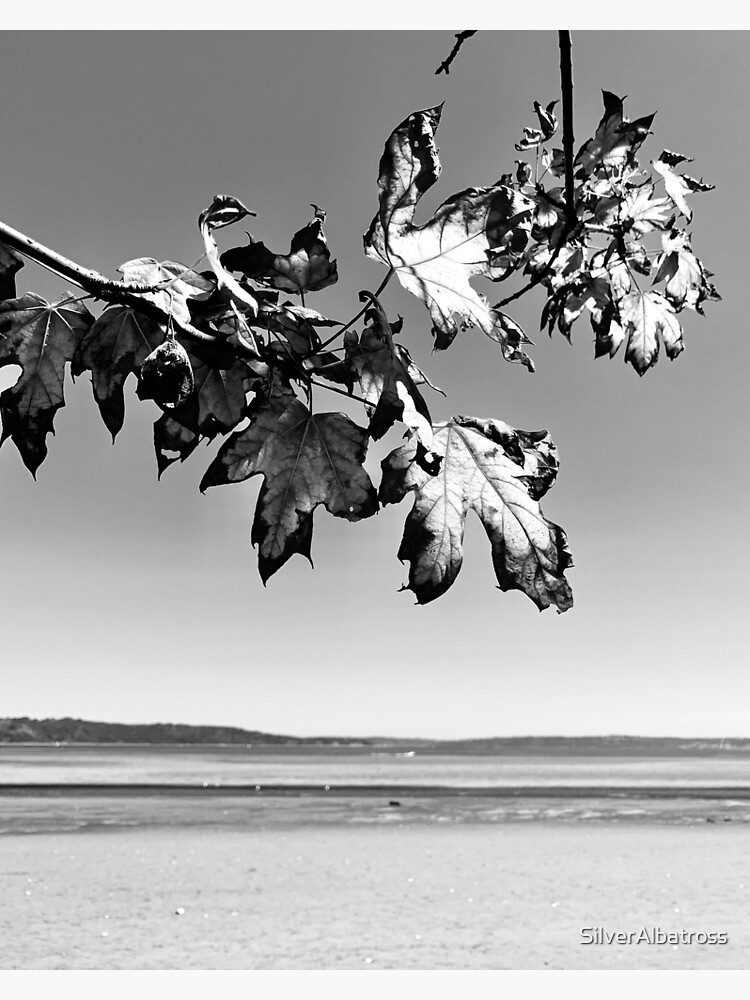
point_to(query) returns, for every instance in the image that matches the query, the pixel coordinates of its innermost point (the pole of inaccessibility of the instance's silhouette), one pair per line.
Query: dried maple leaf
(307, 460)
(478, 232)
(41, 337)
(306, 268)
(498, 472)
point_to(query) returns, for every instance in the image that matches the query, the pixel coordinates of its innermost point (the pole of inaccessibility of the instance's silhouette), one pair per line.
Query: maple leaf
(117, 344)
(615, 141)
(679, 185)
(637, 210)
(385, 381)
(435, 261)
(686, 278)
(10, 263)
(499, 473)
(306, 459)
(645, 317)
(181, 284)
(306, 268)
(41, 337)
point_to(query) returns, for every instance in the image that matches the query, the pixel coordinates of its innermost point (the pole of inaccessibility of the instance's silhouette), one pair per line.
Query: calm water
(227, 766)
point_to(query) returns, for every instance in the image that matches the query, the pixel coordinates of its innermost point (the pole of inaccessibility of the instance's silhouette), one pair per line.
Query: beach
(219, 858)
(290, 885)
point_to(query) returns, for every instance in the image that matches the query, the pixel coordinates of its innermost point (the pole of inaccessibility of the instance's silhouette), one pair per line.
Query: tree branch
(566, 85)
(128, 293)
(461, 37)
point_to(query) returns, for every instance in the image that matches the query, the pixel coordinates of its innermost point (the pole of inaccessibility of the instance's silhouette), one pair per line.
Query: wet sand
(299, 883)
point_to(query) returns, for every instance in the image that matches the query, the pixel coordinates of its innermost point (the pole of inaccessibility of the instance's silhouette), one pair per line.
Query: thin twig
(461, 37)
(354, 319)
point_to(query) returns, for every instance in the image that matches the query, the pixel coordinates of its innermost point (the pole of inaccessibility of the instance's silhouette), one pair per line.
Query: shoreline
(667, 792)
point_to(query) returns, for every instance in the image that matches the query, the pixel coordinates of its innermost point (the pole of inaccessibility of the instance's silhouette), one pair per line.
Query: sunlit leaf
(685, 276)
(499, 473)
(478, 232)
(638, 210)
(679, 185)
(646, 319)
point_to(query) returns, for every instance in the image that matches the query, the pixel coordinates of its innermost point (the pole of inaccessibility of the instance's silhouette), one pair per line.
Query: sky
(125, 599)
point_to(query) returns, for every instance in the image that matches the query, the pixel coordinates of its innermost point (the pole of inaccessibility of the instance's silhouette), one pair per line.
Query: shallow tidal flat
(143, 859)
(399, 894)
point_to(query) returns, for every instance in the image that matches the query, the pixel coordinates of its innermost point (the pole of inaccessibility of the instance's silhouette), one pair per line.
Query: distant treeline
(80, 731)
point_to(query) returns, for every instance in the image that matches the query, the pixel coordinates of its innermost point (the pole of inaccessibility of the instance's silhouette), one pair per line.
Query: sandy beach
(287, 891)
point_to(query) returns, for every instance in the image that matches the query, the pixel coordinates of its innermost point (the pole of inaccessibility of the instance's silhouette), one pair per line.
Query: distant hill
(80, 731)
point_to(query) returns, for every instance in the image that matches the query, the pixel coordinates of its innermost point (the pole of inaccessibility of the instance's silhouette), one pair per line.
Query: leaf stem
(361, 312)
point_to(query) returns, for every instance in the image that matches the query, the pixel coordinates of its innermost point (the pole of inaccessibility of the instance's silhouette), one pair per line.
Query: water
(231, 766)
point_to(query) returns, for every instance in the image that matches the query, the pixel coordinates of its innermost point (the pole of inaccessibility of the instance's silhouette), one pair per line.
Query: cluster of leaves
(626, 261)
(229, 356)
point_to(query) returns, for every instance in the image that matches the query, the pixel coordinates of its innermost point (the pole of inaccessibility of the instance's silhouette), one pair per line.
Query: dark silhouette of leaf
(478, 232)
(221, 383)
(499, 473)
(306, 460)
(306, 268)
(41, 337)
(10, 264)
(172, 442)
(117, 344)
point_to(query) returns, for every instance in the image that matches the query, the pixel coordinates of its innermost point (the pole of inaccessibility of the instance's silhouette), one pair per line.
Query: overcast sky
(124, 599)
